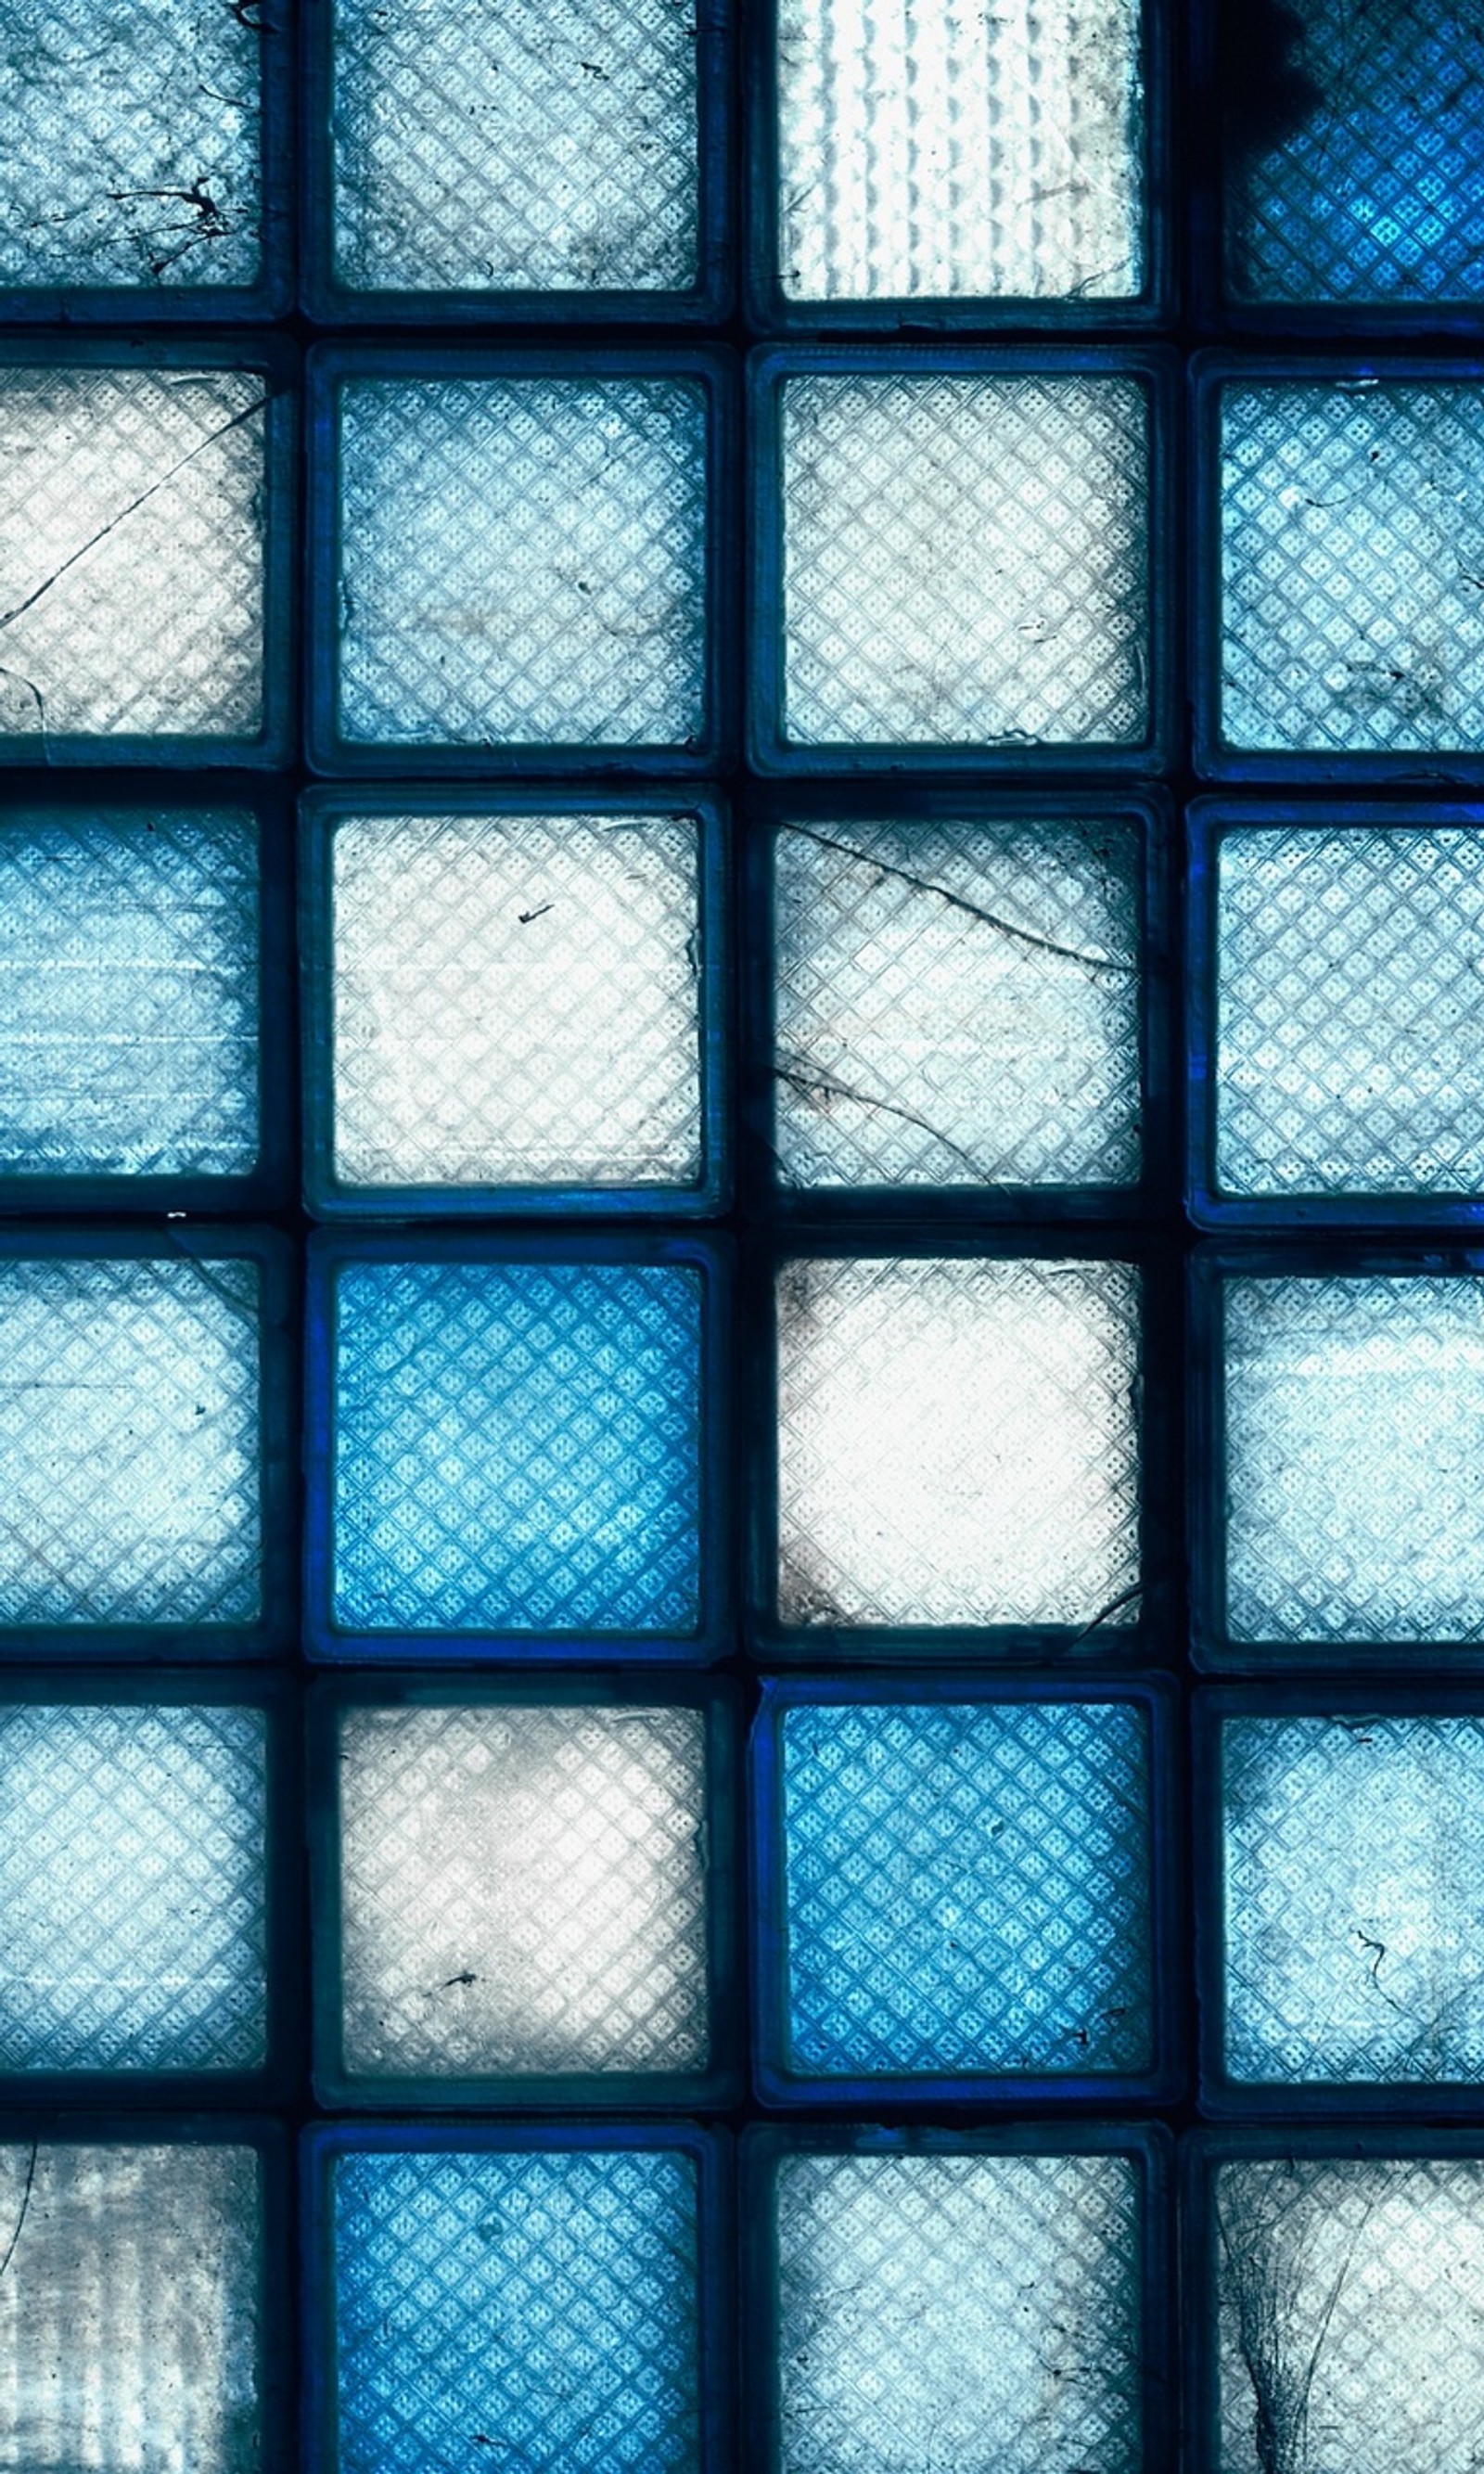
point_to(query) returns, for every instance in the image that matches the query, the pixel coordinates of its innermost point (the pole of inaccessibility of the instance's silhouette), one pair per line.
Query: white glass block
(1354, 1438)
(957, 1441)
(523, 1890)
(1351, 2320)
(129, 2309)
(516, 1001)
(547, 145)
(129, 1442)
(1352, 535)
(129, 949)
(948, 150)
(956, 2312)
(522, 560)
(956, 1005)
(965, 560)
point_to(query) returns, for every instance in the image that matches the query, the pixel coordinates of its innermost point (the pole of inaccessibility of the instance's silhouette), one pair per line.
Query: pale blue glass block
(517, 1447)
(129, 962)
(966, 1889)
(523, 2310)
(521, 562)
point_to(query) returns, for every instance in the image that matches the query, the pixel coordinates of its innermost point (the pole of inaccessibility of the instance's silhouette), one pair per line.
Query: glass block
(521, 562)
(129, 2309)
(132, 544)
(550, 148)
(959, 2311)
(517, 1447)
(129, 1442)
(1352, 528)
(957, 1441)
(966, 1889)
(965, 560)
(955, 1004)
(129, 966)
(1355, 1432)
(947, 152)
(536, 2308)
(523, 1891)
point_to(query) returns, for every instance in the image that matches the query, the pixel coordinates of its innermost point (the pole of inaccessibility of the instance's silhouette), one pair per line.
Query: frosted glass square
(516, 1001)
(521, 562)
(966, 1889)
(129, 1442)
(523, 1891)
(517, 1447)
(539, 2308)
(1352, 528)
(1350, 2314)
(1351, 1056)
(947, 152)
(1354, 1437)
(131, 144)
(548, 148)
(132, 553)
(957, 1441)
(956, 1005)
(959, 2311)
(128, 957)
(129, 2309)
(965, 560)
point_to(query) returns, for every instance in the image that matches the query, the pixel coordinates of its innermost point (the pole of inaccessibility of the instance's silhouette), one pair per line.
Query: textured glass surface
(523, 1890)
(1365, 184)
(530, 2311)
(549, 145)
(942, 2312)
(957, 1441)
(128, 2309)
(129, 143)
(1355, 1898)
(1352, 535)
(956, 1005)
(128, 993)
(129, 1442)
(945, 149)
(1354, 1439)
(517, 1447)
(967, 1888)
(1351, 1054)
(522, 560)
(1351, 2323)
(965, 560)
(516, 1001)
(131, 552)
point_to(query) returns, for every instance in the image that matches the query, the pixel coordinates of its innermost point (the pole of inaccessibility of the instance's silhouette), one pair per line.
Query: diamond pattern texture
(1352, 1048)
(517, 1447)
(129, 143)
(539, 2310)
(516, 1001)
(129, 1442)
(968, 1889)
(544, 148)
(955, 1004)
(522, 561)
(128, 994)
(1352, 530)
(942, 2312)
(965, 560)
(957, 1441)
(956, 152)
(523, 1890)
(1351, 2310)
(1355, 1437)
